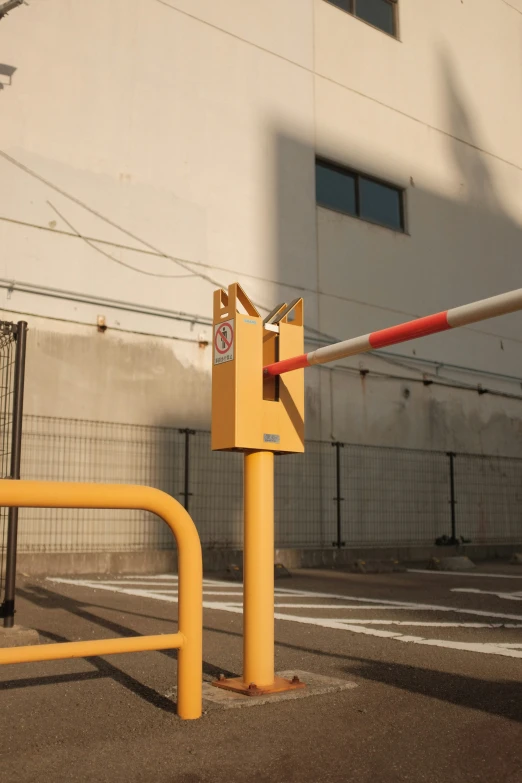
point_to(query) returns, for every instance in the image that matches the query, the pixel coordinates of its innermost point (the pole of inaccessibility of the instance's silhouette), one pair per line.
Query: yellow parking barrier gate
(188, 639)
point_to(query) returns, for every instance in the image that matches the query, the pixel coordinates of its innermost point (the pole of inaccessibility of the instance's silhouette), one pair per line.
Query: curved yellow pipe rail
(54, 494)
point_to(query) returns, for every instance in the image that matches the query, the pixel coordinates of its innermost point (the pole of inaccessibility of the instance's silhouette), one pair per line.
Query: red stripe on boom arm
(285, 365)
(421, 327)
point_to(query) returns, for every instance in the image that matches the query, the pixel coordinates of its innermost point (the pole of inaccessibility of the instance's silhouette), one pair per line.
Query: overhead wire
(186, 265)
(104, 253)
(447, 383)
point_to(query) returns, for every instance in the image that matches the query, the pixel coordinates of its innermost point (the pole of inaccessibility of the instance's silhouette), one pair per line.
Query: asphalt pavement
(436, 657)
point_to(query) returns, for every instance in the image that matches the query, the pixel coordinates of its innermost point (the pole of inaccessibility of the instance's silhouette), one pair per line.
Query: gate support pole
(258, 569)
(258, 583)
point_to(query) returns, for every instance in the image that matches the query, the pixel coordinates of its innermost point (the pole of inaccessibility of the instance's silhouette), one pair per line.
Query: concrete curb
(165, 561)
(18, 636)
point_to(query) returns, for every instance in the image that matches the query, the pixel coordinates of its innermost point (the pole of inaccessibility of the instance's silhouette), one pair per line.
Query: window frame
(353, 12)
(341, 169)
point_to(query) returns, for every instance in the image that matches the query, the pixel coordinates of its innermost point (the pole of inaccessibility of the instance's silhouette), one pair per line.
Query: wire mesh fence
(488, 492)
(75, 450)
(334, 494)
(394, 495)
(304, 489)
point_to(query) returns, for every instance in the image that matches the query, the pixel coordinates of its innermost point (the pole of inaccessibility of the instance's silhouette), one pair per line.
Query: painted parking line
(411, 605)
(517, 596)
(479, 647)
(217, 596)
(429, 572)
(439, 625)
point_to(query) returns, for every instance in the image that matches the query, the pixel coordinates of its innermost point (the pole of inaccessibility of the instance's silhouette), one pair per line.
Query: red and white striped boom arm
(421, 327)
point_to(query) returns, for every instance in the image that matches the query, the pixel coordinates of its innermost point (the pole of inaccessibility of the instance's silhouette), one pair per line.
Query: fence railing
(187, 640)
(12, 369)
(7, 360)
(333, 494)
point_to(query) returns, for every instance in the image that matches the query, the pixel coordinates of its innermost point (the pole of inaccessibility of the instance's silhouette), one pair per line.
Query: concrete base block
(217, 560)
(18, 636)
(234, 572)
(316, 685)
(372, 567)
(451, 564)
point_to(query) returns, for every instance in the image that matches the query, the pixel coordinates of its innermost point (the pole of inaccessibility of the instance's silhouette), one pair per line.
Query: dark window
(379, 13)
(380, 203)
(335, 189)
(355, 194)
(346, 5)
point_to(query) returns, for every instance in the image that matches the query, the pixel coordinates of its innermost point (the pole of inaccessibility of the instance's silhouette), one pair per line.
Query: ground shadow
(47, 599)
(502, 698)
(106, 669)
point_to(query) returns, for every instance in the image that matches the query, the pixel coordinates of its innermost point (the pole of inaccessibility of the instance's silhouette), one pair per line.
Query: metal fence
(7, 363)
(334, 494)
(12, 370)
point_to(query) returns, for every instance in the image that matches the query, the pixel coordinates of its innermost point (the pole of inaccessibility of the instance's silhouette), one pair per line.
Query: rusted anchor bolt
(295, 680)
(252, 687)
(221, 677)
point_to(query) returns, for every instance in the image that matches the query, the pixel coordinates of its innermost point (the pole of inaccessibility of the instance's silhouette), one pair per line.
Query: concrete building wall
(151, 151)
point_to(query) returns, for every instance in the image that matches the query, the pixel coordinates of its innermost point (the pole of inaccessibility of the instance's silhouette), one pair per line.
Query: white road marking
(505, 596)
(160, 591)
(135, 582)
(207, 592)
(359, 607)
(152, 581)
(428, 572)
(304, 593)
(433, 625)
(424, 607)
(485, 648)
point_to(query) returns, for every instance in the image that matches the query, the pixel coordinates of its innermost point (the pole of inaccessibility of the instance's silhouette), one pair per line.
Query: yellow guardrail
(188, 639)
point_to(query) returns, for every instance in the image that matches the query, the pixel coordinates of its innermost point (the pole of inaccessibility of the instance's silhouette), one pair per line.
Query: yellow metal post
(258, 569)
(189, 639)
(258, 583)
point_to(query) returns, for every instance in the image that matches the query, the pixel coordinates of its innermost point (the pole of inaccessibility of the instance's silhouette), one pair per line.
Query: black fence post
(338, 499)
(8, 606)
(186, 476)
(452, 501)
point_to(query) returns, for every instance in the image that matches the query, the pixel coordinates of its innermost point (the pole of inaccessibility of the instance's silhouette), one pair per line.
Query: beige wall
(190, 131)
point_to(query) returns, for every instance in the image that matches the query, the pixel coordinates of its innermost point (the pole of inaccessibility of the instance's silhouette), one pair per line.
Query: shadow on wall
(471, 227)
(476, 176)
(6, 75)
(457, 249)
(352, 263)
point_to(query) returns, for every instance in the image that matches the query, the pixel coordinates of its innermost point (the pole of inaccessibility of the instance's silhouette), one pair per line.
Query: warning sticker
(224, 342)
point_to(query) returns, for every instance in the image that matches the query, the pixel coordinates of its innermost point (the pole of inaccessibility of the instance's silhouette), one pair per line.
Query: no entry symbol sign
(224, 342)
